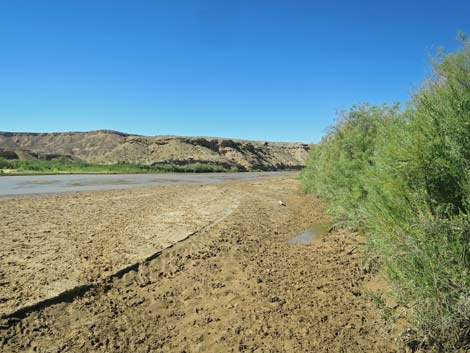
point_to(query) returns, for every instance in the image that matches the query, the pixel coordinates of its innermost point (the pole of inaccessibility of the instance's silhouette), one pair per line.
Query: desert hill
(111, 147)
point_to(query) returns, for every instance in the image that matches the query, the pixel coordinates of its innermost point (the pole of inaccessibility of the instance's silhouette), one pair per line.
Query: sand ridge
(53, 244)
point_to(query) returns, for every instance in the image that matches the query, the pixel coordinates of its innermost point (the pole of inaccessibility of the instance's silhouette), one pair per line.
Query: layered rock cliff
(110, 147)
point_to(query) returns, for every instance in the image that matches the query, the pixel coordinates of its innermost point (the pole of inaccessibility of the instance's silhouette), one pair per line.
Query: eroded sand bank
(55, 243)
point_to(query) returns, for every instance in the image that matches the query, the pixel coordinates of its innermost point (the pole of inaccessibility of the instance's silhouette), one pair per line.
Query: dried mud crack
(235, 286)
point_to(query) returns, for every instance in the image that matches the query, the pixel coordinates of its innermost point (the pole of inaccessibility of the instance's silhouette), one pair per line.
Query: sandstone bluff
(110, 147)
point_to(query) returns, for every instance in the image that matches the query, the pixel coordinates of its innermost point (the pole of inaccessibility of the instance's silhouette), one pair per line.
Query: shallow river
(11, 186)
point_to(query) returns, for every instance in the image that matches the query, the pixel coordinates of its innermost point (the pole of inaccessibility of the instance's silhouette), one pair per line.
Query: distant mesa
(112, 147)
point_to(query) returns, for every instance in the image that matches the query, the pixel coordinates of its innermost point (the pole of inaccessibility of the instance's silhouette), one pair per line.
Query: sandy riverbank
(236, 285)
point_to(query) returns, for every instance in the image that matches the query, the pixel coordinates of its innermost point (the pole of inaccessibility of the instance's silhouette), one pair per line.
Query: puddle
(313, 233)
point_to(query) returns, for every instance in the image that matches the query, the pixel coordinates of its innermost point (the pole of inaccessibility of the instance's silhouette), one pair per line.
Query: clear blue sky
(267, 70)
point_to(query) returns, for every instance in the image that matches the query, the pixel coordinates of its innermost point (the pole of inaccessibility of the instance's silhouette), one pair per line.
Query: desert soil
(182, 269)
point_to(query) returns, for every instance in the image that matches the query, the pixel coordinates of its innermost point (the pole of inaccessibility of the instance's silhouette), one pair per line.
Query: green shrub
(406, 182)
(5, 164)
(417, 209)
(60, 166)
(337, 167)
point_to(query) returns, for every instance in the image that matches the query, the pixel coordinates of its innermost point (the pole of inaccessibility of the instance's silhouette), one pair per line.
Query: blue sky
(266, 70)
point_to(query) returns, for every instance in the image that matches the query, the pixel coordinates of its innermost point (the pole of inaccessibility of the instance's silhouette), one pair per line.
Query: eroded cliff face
(105, 146)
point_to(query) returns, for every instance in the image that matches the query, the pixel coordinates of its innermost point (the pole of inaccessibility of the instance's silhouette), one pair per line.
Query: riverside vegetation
(402, 177)
(66, 166)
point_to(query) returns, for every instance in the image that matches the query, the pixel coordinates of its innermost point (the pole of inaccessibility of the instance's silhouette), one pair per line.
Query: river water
(11, 186)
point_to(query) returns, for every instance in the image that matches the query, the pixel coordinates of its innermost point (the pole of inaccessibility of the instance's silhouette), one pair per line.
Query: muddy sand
(182, 269)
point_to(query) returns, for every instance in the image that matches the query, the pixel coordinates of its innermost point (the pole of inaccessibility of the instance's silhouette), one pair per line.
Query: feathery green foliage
(403, 177)
(337, 167)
